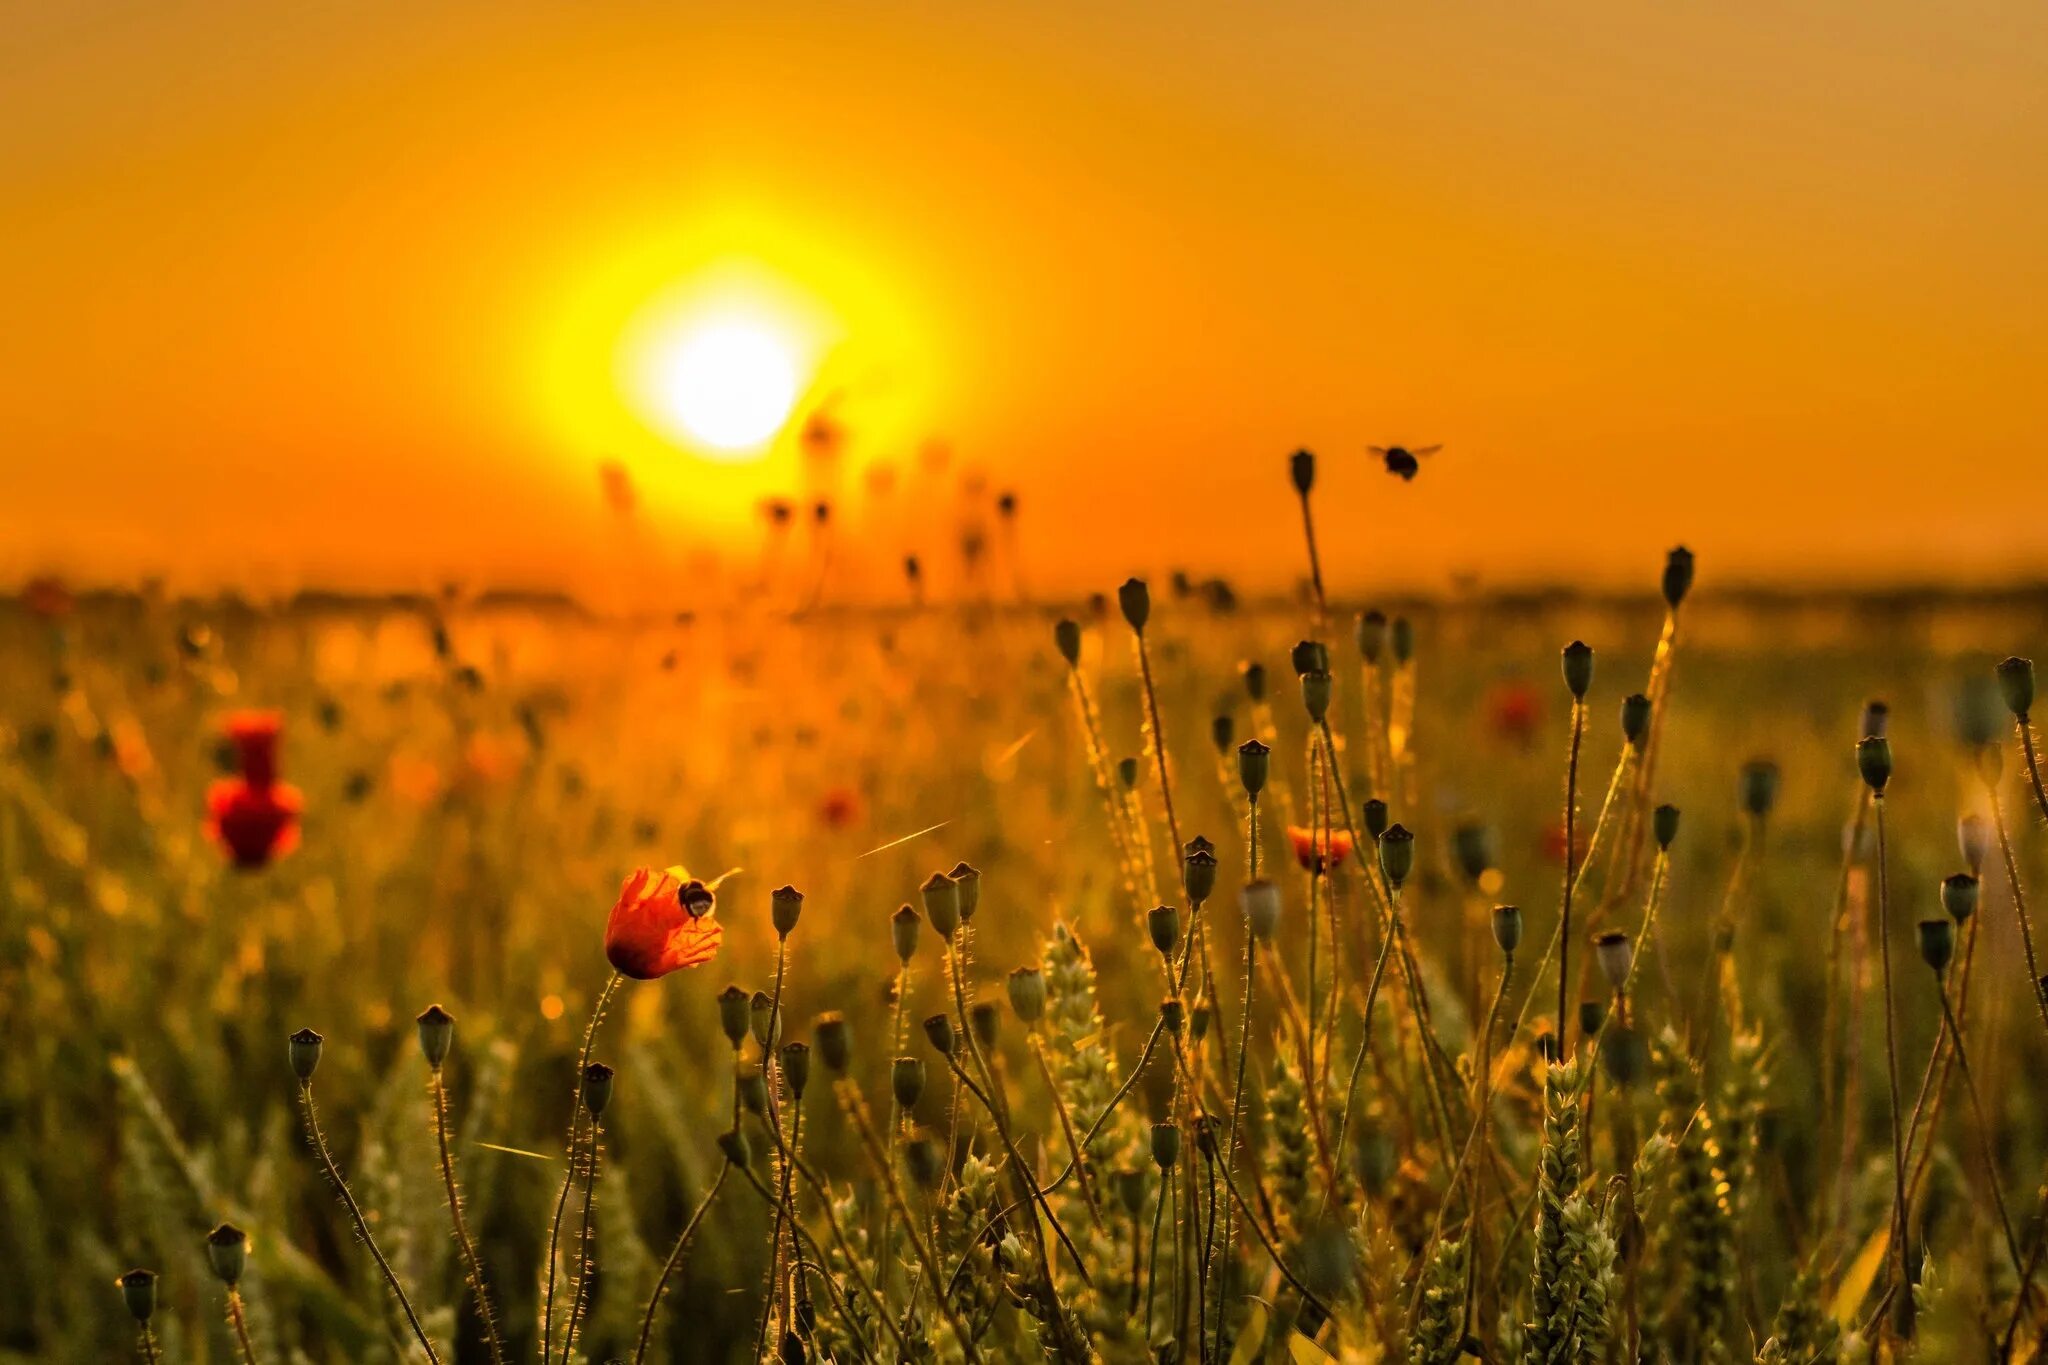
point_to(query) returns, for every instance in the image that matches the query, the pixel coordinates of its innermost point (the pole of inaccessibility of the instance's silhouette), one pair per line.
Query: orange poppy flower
(1308, 849)
(253, 824)
(661, 924)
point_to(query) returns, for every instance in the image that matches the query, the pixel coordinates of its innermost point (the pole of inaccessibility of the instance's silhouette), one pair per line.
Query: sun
(726, 384)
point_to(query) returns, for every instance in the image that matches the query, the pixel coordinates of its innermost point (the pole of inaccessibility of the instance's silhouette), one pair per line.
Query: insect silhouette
(1403, 461)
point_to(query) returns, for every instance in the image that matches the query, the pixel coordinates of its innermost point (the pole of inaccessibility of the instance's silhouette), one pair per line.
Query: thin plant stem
(831, 1284)
(1891, 1056)
(1564, 919)
(238, 1319)
(2019, 902)
(146, 1341)
(2025, 725)
(1251, 1221)
(580, 1294)
(1059, 1105)
(675, 1258)
(547, 1321)
(1955, 1032)
(782, 1208)
(472, 1266)
(1152, 1268)
(1244, 1047)
(1158, 740)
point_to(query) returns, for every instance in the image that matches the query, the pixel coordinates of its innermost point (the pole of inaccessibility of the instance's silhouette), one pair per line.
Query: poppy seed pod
(1027, 993)
(1254, 679)
(1959, 896)
(785, 903)
(834, 1040)
(1397, 855)
(437, 1031)
(1198, 1019)
(1507, 927)
(1677, 575)
(1301, 468)
(1136, 600)
(1223, 732)
(1623, 1055)
(1874, 761)
(1759, 786)
(227, 1251)
(1165, 1145)
(1937, 943)
(903, 927)
(1253, 760)
(303, 1048)
(1616, 952)
(1174, 1014)
(1976, 711)
(921, 1159)
(1973, 837)
(1664, 824)
(1198, 870)
(1205, 1134)
(1473, 843)
(1374, 814)
(1315, 695)
(1372, 636)
(1130, 1189)
(1592, 1014)
(906, 1080)
(938, 1029)
(1635, 719)
(597, 1087)
(1162, 922)
(761, 1012)
(735, 1014)
(796, 1067)
(753, 1088)
(1127, 772)
(1309, 656)
(1578, 668)
(985, 1019)
(1066, 635)
(2016, 681)
(967, 877)
(942, 904)
(138, 1291)
(1260, 901)
(1876, 719)
(1401, 636)
(733, 1146)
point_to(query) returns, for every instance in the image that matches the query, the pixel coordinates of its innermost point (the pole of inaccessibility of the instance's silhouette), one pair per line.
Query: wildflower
(660, 924)
(753, 1089)
(733, 1146)
(921, 1159)
(1309, 656)
(735, 1013)
(1254, 680)
(1315, 694)
(1374, 814)
(1975, 711)
(253, 816)
(1222, 732)
(1959, 896)
(984, 1018)
(227, 1249)
(1301, 468)
(1310, 850)
(938, 1030)
(1165, 1145)
(839, 808)
(1401, 636)
(1174, 1014)
(1473, 843)
(761, 1020)
(1592, 1014)
(1514, 711)
(437, 1031)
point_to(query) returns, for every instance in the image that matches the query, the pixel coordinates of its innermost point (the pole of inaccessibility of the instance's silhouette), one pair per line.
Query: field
(478, 776)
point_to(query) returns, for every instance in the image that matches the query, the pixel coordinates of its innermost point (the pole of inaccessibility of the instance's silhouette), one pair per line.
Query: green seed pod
(939, 1030)
(1205, 1135)
(1507, 927)
(1260, 901)
(1578, 668)
(1127, 772)
(1973, 837)
(1397, 855)
(437, 1031)
(2016, 681)
(1198, 1019)
(1874, 761)
(1223, 732)
(906, 1080)
(1664, 824)
(735, 1013)
(303, 1048)
(985, 1019)
(1623, 1055)
(921, 1159)
(1402, 637)
(1616, 952)
(227, 1251)
(733, 1146)
(1301, 468)
(968, 878)
(1875, 720)
(796, 1067)
(761, 1019)
(1066, 634)
(903, 927)
(1315, 695)
(1592, 1014)
(1253, 761)
(1635, 719)
(785, 903)
(1254, 679)
(753, 1088)
(1027, 994)
(1174, 1014)
(1979, 718)
(1162, 922)
(138, 1291)
(1959, 896)
(942, 904)
(1309, 656)
(597, 1087)
(1130, 1189)
(1198, 870)
(834, 1040)
(1937, 943)
(1165, 1145)
(1136, 600)
(1372, 636)
(1759, 787)
(1677, 576)
(1374, 813)
(1473, 844)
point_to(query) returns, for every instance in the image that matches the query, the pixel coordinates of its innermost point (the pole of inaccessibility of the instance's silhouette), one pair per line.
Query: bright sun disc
(729, 385)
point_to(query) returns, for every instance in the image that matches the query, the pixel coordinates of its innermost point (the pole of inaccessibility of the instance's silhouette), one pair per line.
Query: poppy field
(1158, 976)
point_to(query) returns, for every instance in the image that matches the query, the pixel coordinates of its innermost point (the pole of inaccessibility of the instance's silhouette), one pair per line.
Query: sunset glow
(726, 384)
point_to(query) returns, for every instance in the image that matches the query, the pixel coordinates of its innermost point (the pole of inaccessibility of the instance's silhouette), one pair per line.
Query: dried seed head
(1066, 634)
(1677, 575)
(1374, 814)
(1401, 635)
(2016, 681)
(1315, 695)
(1253, 761)
(227, 1251)
(1136, 600)
(1973, 837)
(1397, 854)
(1664, 824)
(597, 1087)
(1198, 870)
(1162, 922)
(1473, 844)
(1635, 719)
(1959, 896)
(303, 1049)
(1027, 994)
(1309, 656)
(1260, 901)
(1937, 943)
(796, 1067)
(968, 878)
(1372, 636)
(1507, 927)
(1759, 786)
(942, 904)
(1223, 732)
(1874, 761)
(761, 1019)
(1876, 719)
(1578, 668)
(1165, 1145)
(834, 1040)
(1592, 1014)
(906, 1080)
(921, 1159)
(733, 1146)
(785, 904)
(1254, 679)
(939, 1030)
(437, 1031)
(903, 927)
(735, 1013)
(1617, 953)
(1173, 1014)
(138, 1291)
(1301, 468)
(985, 1019)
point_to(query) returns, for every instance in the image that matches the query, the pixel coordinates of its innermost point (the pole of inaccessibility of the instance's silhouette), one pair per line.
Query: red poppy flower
(1514, 711)
(253, 824)
(661, 923)
(254, 735)
(1553, 843)
(1308, 849)
(839, 808)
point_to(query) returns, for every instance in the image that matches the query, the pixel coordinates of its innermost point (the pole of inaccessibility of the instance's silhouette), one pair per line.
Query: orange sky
(334, 292)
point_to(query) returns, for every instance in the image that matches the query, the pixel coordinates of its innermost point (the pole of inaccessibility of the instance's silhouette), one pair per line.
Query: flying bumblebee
(1403, 461)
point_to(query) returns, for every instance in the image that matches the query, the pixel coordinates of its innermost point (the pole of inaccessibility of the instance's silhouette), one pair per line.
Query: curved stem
(1891, 1057)
(580, 1296)
(675, 1258)
(2026, 729)
(547, 1321)
(239, 1321)
(1955, 1032)
(471, 1265)
(2019, 903)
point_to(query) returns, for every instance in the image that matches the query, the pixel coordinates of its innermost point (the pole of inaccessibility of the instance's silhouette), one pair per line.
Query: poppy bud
(1617, 953)
(921, 1159)
(227, 1250)
(1402, 637)
(1623, 1055)
(1315, 695)
(784, 905)
(1222, 732)
(1301, 468)
(1677, 575)
(968, 878)
(597, 1087)
(903, 927)
(1372, 636)
(1260, 901)
(942, 904)
(761, 1012)
(1976, 711)
(1592, 1014)
(1937, 943)
(939, 1030)
(1309, 656)
(1635, 719)
(1374, 813)
(303, 1048)
(1397, 855)
(138, 1291)
(1165, 1145)
(1136, 600)
(1127, 772)
(984, 1019)
(2016, 681)
(1252, 763)
(1664, 824)
(834, 1040)
(437, 1031)
(1255, 680)
(1130, 1189)
(906, 1080)
(735, 1013)
(1027, 993)
(1876, 719)
(1198, 1019)
(796, 1067)
(1473, 843)
(1959, 896)
(1173, 1014)
(753, 1088)
(1973, 837)
(1578, 668)
(1066, 634)
(1198, 870)
(1507, 927)
(1874, 761)
(733, 1146)
(1163, 923)
(1205, 1135)
(1759, 786)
